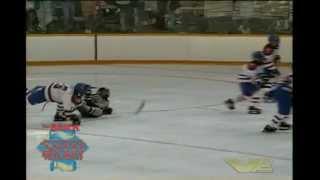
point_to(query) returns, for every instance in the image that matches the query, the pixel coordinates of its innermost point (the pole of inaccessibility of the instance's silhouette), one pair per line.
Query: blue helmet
(273, 38)
(80, 89)
(257, 56)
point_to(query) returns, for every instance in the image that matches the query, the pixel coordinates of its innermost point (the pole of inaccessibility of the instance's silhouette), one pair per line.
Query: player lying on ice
(68, 98)
(282, 93)
(96, 104)
(71, 98)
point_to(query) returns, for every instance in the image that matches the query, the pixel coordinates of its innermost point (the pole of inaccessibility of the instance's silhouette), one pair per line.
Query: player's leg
(249, 90)
(36, 95)
(62, 115)
(90, 111)
(279, 121)
(264, 89)
(230, 103)
(284, 108)
(270, 78)
(59, 116)
(254, 107)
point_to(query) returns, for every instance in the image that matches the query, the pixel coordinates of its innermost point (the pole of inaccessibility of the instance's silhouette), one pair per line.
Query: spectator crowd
(124, 16)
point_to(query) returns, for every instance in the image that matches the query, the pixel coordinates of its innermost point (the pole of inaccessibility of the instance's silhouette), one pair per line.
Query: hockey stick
(140, 107)
(136, 112)
(209, 106)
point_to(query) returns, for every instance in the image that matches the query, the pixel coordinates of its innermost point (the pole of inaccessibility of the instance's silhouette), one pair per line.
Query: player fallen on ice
(67, 97)
(249, 83)
(96, 104)
(282, 92)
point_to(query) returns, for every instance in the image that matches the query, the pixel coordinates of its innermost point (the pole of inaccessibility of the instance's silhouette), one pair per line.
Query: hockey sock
(255, 101)
(59, 108)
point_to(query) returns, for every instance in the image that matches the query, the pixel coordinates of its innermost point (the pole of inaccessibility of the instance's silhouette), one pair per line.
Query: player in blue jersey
(282, 92)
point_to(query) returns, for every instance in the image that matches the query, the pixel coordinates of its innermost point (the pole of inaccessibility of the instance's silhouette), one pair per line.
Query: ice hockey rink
(183, 130)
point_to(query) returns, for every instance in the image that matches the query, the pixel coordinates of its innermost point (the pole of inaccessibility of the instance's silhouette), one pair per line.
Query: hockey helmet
(274, 39)
(80, 89)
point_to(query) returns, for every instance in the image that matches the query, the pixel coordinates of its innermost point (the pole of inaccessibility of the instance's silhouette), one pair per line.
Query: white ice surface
(175, 135)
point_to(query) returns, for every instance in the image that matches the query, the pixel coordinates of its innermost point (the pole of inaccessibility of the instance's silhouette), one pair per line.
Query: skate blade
(277, 131)
(255, 113)
(266, 131)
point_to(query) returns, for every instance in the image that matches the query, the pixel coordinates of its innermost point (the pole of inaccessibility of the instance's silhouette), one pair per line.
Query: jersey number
(60, 86)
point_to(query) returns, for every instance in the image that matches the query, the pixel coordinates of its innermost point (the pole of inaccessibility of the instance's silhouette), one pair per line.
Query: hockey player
(68, 98)
(268, 73)
(96, 105)
(249, 86)
(271, 56)
(272, 59)
(282, 92)
(271, 50)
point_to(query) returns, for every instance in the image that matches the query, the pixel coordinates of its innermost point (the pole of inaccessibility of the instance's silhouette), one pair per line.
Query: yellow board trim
(54, 35)
(101, 62)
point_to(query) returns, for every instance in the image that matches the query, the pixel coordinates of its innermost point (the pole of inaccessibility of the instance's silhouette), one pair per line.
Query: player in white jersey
(272, 59)
(268, 73)
(249, 86)
(271, 56)
(68, 98)
(271, 50)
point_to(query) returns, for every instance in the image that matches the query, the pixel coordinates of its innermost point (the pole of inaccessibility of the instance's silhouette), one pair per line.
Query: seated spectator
(32, 21)
(89, 12)
(108, 19)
